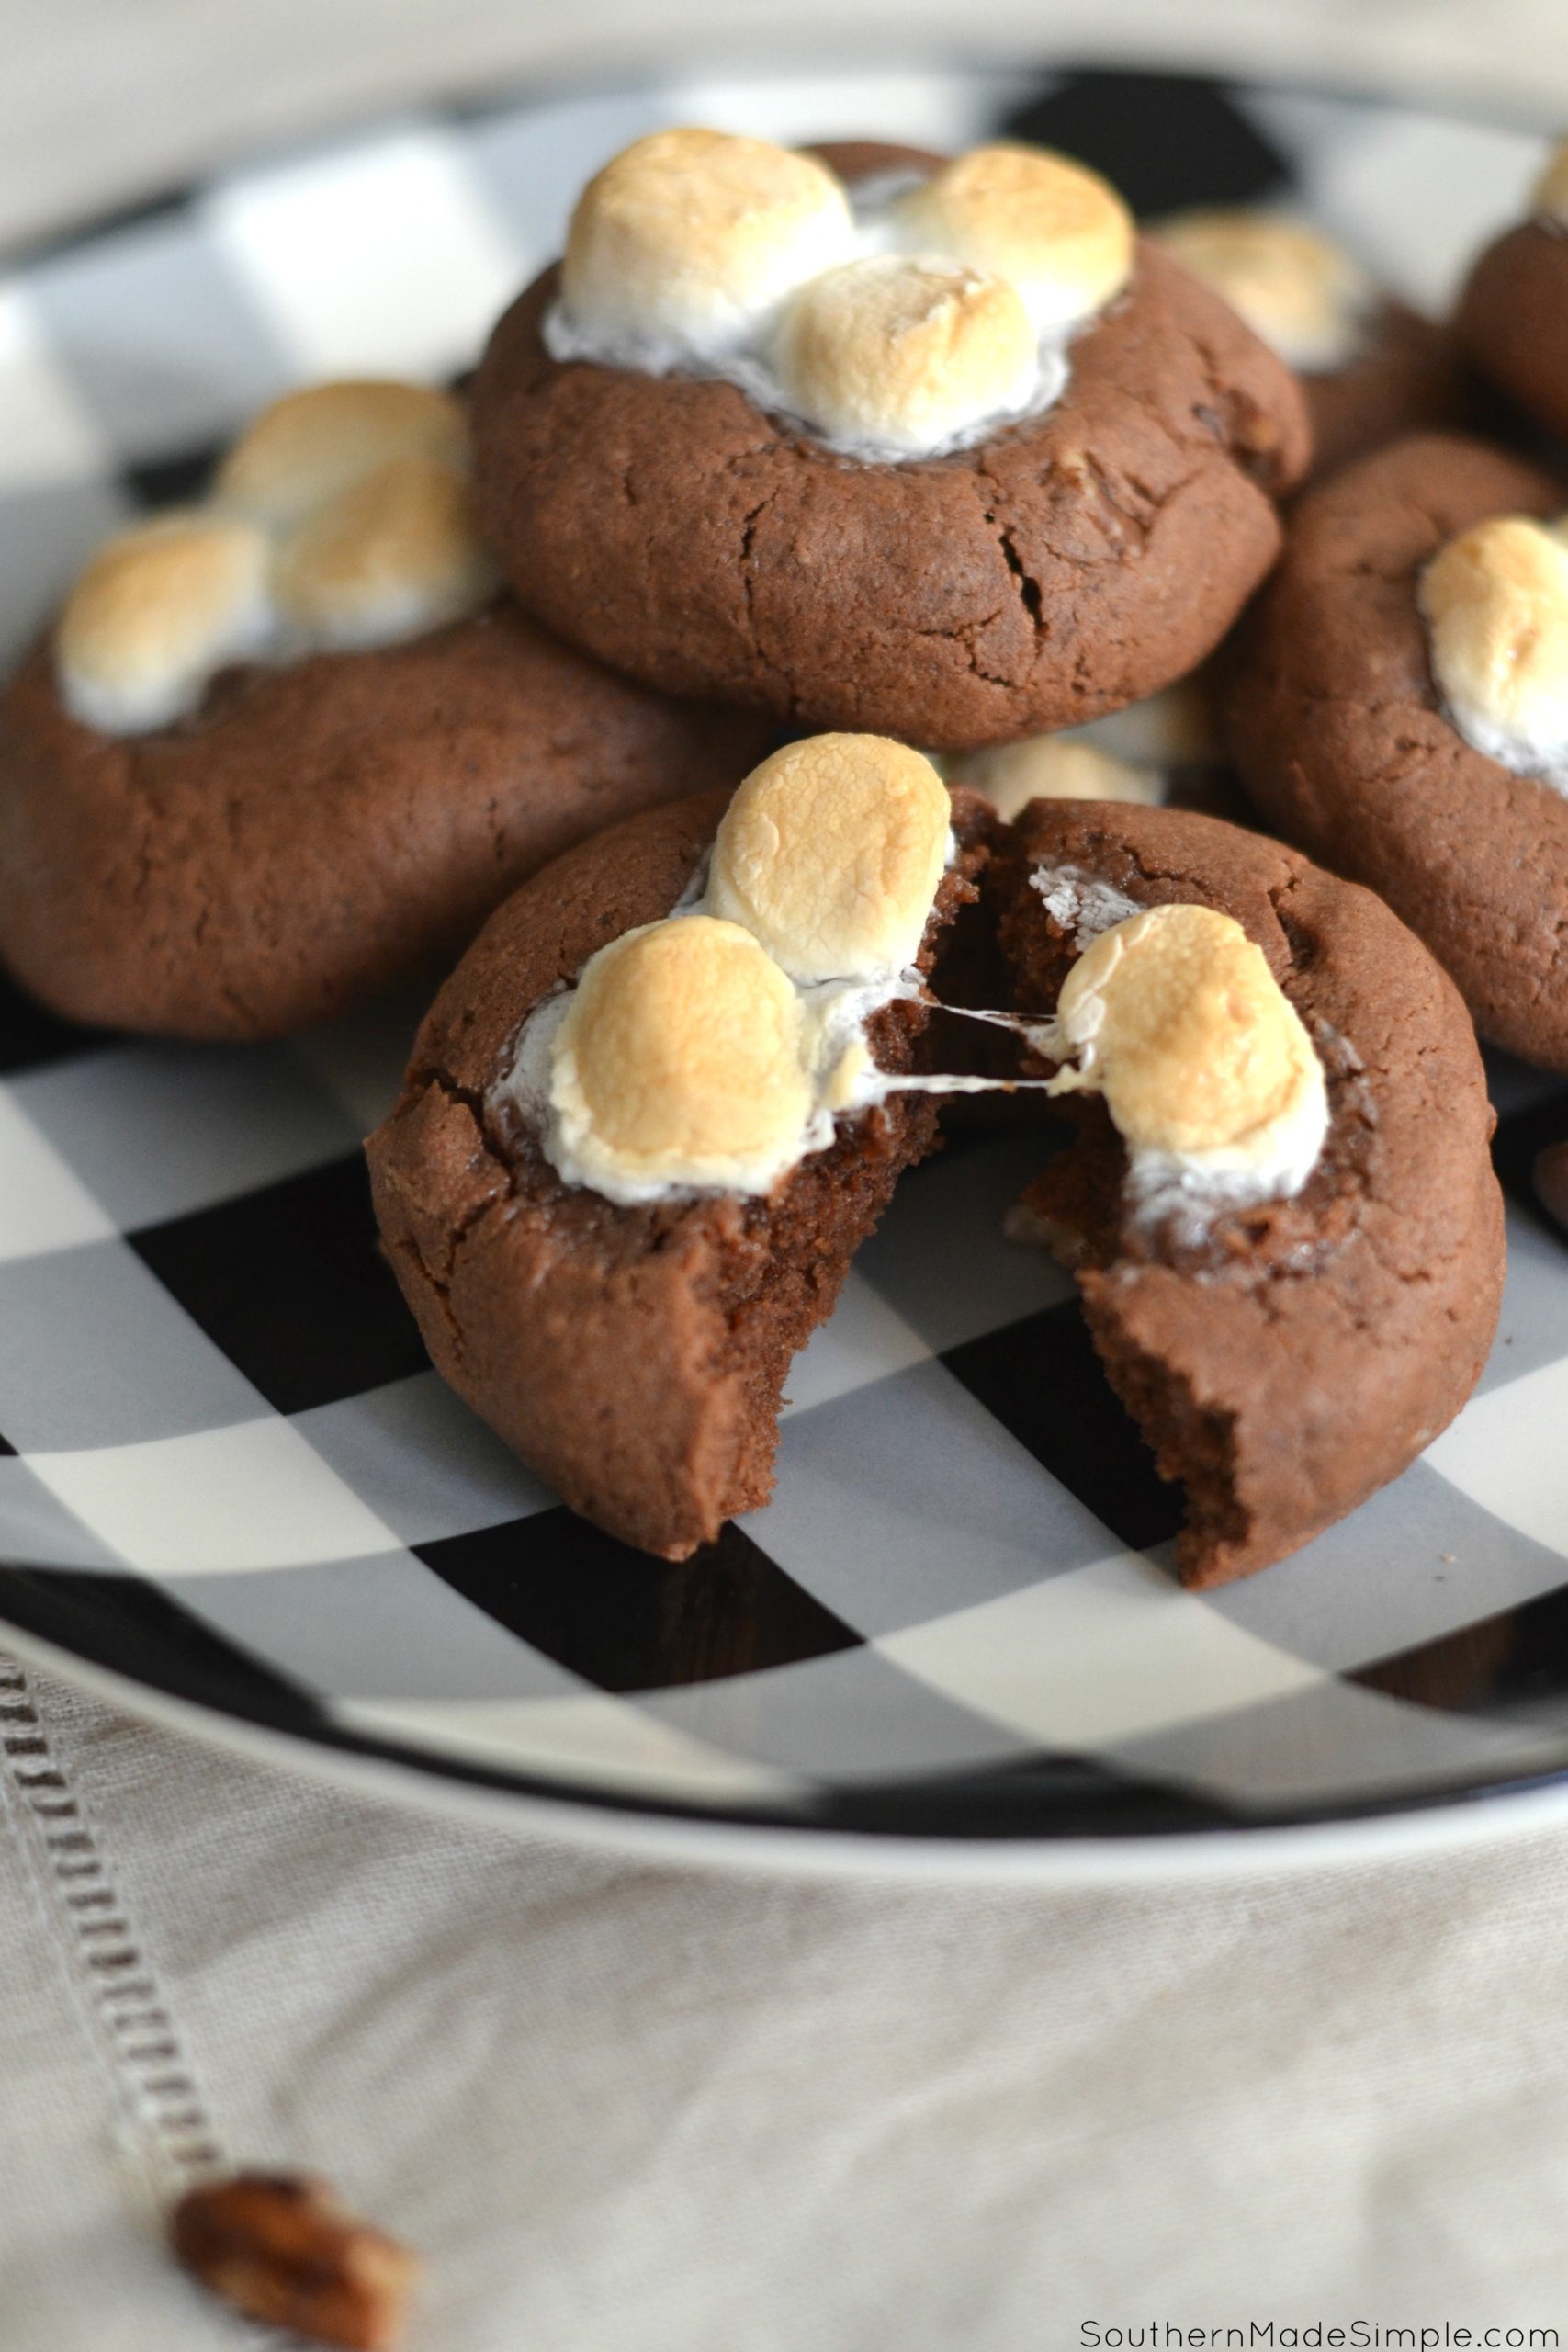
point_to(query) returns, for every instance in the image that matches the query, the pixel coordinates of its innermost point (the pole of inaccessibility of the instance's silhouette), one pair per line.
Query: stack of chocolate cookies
(850, 587)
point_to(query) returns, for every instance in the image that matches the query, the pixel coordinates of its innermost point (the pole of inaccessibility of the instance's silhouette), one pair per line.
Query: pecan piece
(282, 2249)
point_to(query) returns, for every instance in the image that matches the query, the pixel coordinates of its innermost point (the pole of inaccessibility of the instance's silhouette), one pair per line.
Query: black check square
(1043, 1381)
(1520, 1135)
(291, 1284)
(175, 480)
(30, 1034)
(628, 1622)
(1166, 140)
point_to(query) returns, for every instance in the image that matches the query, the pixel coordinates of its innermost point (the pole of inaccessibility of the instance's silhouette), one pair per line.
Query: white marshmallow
(157, 611)
(679, 1062)
(1058, 232)
(891, 357)
(687, 241)
(831, 852)
(312, 445)
(1067, 766)
(1495, 604)
(1208, 1072)
(393, 556)
(728, 256)
(714, 1050)
(1081, 902)
(1299, 291)
(340, 520)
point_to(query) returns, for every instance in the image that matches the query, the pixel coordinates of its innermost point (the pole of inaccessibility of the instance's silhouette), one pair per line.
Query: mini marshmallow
(1205, 1064)
(156, 612)
(1550, 199)
(1052, 767)
(309, 445)
(681, 1061)
(687, 239)
(1297, 291)
(831, 854)
(896, 357)
(1056, 230)
(394, 555)
(1495, 603)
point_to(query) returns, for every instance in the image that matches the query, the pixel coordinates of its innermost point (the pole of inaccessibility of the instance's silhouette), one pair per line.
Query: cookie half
(1284, 1359)
(633, 1351)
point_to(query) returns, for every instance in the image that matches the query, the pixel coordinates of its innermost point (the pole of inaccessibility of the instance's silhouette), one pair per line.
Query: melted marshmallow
(879, 364)
(714, 1050)
(1208, 1072)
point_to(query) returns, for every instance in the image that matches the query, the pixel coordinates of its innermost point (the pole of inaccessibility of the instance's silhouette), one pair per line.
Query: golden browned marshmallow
(157, 610)
(900, 357)
(687, 239)
(1495, 603)
(1058, 231)
(682, 1061)
(1052, 767)
(306, 447)
(396, 554)
(1296, 288)
(1205, 1064)
(1549, 200)
(830, 854)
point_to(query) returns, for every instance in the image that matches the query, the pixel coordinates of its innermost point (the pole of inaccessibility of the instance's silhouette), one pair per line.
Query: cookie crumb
(282, 2248)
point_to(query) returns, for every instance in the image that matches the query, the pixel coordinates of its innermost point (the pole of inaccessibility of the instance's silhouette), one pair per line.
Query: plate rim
(527, 1801)
(809, 1851)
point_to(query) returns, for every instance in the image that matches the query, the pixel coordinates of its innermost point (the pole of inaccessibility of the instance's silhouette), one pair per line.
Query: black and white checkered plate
(230, 1479)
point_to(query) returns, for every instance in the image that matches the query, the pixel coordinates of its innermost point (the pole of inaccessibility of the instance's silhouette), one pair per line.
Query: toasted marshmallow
(831, 854)
(681, 1062)
(1299, 292)
(309, 445)
(157, 610)
(687, 239)
(342, 519)
(1174, 1016)
(1052, 767)
(1056, 230)
(1550, 199)
(396, 554)
(892, 357)
(1495, 603)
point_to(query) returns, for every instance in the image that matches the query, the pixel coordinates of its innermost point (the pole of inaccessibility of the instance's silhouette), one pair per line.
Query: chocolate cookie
(1062, 566)
(628, 1325)
(1513, 320)
(1411, 378)
(1513, 315)
(1371, 369)
(1345, 740)
(1284, 1356)
(315, 835)
(283, 748)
